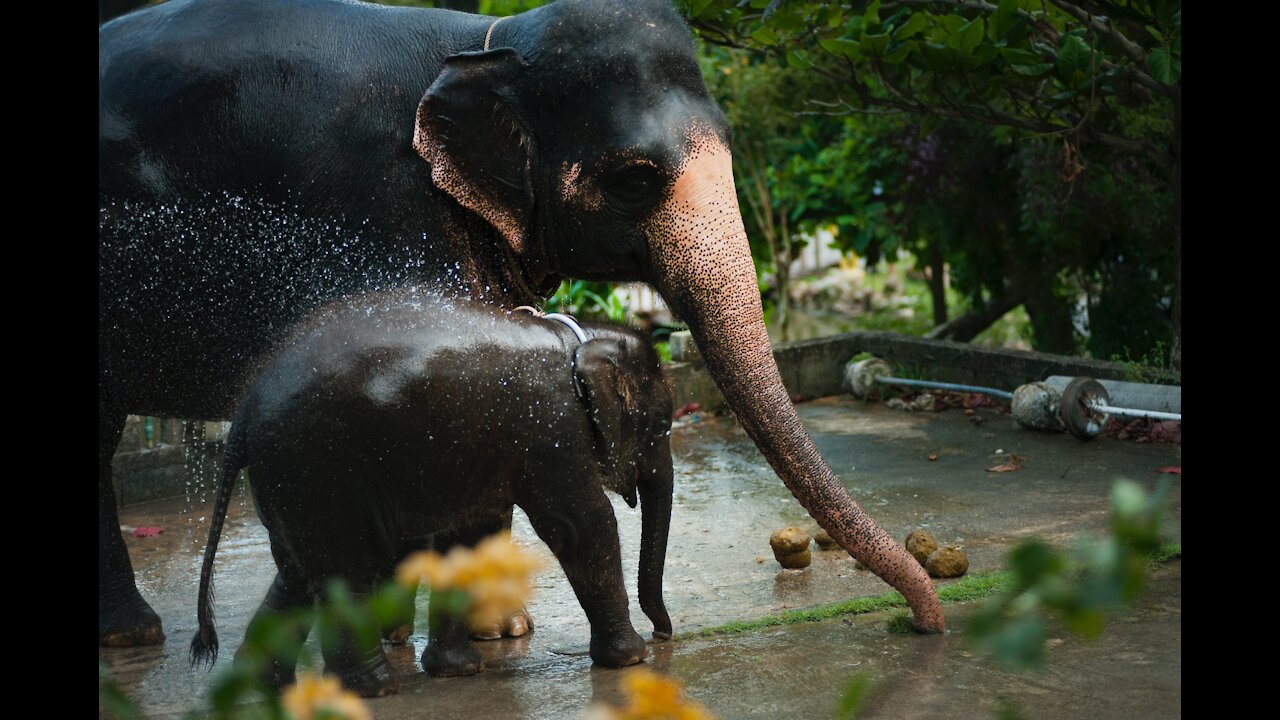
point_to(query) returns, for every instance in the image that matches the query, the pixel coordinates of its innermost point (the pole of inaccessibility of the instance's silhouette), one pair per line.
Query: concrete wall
(814, 368)
(157, 456)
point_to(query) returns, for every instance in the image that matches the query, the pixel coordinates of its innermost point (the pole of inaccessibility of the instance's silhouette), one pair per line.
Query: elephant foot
(923, 628)
(398, 635)
(378, 680)
(620, 650)
(129, 624)
(457, 661)
(516, 624)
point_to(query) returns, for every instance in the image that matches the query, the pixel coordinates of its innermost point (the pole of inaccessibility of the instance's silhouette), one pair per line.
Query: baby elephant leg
(449, 652)
(282, 599)
(517, 624)
(362, 667)
(579, 527)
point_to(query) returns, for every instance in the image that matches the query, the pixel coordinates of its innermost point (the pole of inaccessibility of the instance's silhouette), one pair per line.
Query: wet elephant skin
(392, 416)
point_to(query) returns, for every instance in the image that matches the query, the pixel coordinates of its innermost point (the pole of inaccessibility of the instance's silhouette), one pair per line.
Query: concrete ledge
(152, 467)
(813, 368)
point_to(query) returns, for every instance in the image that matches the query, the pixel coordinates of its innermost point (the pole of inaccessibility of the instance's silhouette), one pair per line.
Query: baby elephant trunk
(655, 509)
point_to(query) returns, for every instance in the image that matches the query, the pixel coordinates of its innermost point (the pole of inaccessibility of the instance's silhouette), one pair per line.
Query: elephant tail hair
(204, 645)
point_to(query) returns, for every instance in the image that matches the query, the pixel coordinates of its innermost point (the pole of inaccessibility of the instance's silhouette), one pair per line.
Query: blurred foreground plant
(1081, 587)
(491, 581)
(492, 578)
(651, 696)
(321, 697)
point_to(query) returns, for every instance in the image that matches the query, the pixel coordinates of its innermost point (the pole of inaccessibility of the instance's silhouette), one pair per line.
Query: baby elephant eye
(635, 184)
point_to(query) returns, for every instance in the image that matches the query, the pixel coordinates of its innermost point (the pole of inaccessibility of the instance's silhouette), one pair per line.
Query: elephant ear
(468, 130)
(612, 398)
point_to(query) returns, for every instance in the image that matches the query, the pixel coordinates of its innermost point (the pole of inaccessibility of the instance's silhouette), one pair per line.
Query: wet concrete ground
(727, 503)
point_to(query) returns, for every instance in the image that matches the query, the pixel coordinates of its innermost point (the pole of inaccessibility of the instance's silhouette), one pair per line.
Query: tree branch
(1127, 46)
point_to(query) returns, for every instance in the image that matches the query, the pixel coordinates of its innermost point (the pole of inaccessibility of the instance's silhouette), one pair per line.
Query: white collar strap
(565, 319)
(570, 322)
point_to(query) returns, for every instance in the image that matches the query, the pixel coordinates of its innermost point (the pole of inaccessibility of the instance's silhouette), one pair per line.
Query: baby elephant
(391, 416)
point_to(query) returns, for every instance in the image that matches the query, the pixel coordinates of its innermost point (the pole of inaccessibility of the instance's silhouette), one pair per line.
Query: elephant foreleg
(124, 618)
(581, 531)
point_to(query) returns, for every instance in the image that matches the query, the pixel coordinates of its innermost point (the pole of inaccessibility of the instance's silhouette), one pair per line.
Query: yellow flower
(651, 696)
(317, 696)
(495, 575)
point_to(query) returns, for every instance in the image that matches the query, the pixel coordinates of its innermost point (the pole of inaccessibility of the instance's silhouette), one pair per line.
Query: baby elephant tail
(204, 646)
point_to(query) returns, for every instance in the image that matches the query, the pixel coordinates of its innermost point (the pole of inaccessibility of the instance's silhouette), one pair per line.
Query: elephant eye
(635, 184)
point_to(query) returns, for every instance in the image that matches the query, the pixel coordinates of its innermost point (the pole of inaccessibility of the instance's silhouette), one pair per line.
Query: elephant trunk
(702, 266)
(655, 524)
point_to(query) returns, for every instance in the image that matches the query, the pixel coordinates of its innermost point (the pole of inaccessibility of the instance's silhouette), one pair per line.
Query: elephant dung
(920, 544)
(791, 548)
(825, 541)
(947, 562)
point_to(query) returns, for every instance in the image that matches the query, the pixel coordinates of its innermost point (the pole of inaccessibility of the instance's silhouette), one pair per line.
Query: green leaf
(697, 6)
(765, 36)
(914, 26)
(1073, 57)
(1032, 561)
(969, 36)
(872, 15)
(900, 53)
(953, 23)
(1002, 21)
(1036, 70)
(1020, 57)
(798, 61)
(841, 48)
(937, 58)
(1162, 67)
(874, 45)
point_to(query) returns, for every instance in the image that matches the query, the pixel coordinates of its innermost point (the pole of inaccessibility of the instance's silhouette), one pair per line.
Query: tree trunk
(938, 282)
(1050, 316)
(967, 326)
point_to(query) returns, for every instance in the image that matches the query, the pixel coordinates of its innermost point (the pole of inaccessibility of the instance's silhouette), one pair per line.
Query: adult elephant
(257, 158)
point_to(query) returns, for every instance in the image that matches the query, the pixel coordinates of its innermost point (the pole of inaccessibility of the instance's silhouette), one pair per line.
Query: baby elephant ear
(468, 129)
(610, 395)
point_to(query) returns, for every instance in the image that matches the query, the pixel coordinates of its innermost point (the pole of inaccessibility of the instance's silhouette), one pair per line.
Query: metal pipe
(1130, 412)
(888, 380)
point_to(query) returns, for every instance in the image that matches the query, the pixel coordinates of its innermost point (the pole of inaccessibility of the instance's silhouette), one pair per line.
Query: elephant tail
(204, 646)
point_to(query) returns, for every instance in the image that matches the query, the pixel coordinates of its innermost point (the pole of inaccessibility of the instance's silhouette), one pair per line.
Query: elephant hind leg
(124, 618)
(280, 611)
(517, 624)
(449, 652)
(362, 668)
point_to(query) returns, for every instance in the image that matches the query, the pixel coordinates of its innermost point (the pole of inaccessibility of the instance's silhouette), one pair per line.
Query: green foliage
(1040, 66)
(1080, 588)
(586, 300)
(281, 638)
(1147, 368)
(1028, 143)
(900, 624)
